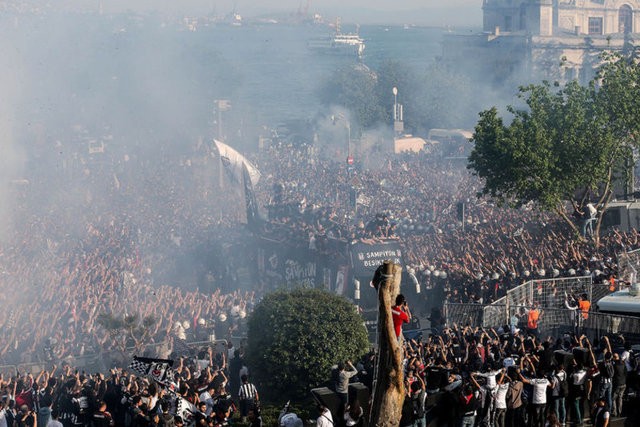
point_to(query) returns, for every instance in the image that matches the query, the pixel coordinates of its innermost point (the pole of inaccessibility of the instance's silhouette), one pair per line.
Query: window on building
(507, 23)
(595, 26)
(523, 17)
(625, 19)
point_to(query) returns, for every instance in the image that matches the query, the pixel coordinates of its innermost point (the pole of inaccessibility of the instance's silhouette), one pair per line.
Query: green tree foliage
(395, 74)
(296, 336)
(565, 142)
(354, 88)
(444, 98)
(437, 98)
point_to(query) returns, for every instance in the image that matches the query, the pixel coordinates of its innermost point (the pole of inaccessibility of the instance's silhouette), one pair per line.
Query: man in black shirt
(102, 418)
(201, 419)
(619, 384)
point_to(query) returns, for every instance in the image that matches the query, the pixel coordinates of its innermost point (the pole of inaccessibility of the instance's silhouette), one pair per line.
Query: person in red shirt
(400, 314)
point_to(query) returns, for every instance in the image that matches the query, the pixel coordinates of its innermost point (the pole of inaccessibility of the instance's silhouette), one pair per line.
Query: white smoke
(12, 159)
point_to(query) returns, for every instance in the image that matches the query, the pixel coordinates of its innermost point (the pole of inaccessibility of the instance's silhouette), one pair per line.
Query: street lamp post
(395, 101)
(398, 125)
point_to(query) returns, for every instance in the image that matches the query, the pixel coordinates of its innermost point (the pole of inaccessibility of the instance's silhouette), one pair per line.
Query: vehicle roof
(620, 302)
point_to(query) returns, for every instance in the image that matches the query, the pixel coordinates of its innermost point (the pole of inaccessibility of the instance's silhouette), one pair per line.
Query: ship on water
(339, 43)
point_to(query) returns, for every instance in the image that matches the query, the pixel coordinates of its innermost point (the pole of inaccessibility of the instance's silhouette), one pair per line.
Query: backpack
(417, 400)
(563, 388)
(608, 370)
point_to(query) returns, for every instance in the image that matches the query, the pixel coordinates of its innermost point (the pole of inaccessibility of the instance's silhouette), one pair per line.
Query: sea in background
(279, 76)
(143, 77)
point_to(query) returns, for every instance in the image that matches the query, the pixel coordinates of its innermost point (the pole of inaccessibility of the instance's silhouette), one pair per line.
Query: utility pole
(398, 123)
(221, 105)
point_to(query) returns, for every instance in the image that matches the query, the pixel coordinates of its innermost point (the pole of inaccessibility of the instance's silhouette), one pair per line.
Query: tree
(295, 337)
(432, 99)
(445, 98)
(354, 88)
(564, 146)
(389, 393)
(396, 74)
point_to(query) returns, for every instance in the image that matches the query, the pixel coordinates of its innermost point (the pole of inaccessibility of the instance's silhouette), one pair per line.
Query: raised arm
(473, 380)
(606, 339)
(523, 379)
(502, 374)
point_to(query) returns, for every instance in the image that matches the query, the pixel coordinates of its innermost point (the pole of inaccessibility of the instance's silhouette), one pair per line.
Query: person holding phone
(400, 314)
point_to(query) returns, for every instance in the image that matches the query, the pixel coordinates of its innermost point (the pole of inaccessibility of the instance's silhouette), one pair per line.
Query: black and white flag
(185, 409)
(159, 370)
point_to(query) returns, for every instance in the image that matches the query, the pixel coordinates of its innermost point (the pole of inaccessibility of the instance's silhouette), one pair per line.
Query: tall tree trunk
(560, 211)
(389, 391)
(602, 206)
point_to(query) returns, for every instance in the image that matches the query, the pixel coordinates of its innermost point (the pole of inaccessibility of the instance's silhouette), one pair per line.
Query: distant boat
(233, 18)
(339, 43)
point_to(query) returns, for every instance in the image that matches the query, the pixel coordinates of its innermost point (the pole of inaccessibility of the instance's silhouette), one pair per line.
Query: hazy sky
(433, 12)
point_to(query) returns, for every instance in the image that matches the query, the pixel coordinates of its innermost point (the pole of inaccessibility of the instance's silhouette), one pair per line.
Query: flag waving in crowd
(159, 370)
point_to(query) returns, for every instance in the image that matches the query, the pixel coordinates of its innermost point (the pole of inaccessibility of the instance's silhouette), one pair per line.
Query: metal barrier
(8, 370)
(553, 321)
(549, 293)
(101, 362)
(463, 314)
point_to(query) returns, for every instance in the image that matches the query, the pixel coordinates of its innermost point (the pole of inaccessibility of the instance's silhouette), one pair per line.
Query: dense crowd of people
(129, 239)
(126, 234)
(495, 378)
(207, 389)
(122, 238)
(416, 197)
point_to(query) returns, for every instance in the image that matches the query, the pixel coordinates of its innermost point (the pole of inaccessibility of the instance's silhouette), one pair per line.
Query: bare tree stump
(389, 391)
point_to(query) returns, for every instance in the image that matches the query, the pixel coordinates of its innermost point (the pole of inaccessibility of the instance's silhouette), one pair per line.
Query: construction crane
(303, 11)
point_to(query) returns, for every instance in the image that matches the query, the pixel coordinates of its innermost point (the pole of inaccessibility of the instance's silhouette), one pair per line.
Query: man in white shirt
(325, 419)
(500, 402)
(53, 422)
(539, 399)
(626, 356)
(207, 397)
(3, 415)
(558, 394)
(490, 377)
(578, 378)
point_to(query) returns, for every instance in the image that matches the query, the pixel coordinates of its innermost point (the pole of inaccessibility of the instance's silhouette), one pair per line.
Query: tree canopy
(430, 99)
(565, 142)
(295, 337)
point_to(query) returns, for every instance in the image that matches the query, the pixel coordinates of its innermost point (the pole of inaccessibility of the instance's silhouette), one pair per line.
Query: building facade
(529, 40)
